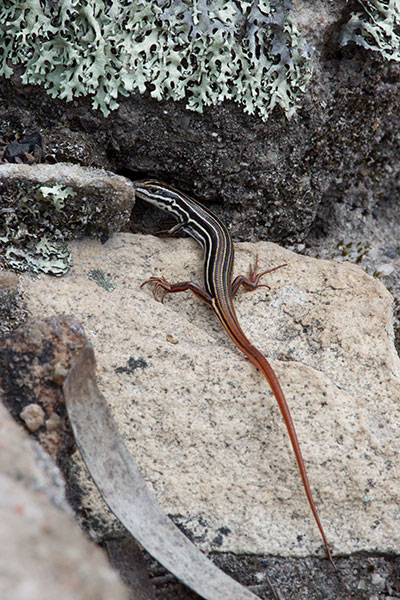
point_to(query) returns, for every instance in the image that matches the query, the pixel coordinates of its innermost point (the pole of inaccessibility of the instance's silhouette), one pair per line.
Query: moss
(354, 252)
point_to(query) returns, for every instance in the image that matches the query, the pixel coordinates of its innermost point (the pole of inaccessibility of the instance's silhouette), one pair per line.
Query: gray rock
(44, 205)
(202, 423)
(43, 554)
(266, 179)
(11, 302)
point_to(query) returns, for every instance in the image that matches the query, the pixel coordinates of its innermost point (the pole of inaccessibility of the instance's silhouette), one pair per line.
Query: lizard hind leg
(160, 283)
(252, 281)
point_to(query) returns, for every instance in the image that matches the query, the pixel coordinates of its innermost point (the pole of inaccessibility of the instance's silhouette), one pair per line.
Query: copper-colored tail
(258, 359)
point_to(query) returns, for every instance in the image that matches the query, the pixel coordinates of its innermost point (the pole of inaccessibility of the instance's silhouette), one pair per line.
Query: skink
(219, 291)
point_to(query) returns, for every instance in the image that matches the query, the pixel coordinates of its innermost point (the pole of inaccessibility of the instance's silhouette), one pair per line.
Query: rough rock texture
(34, 361)
(271, 177)
(43, 554)
(44, 205)
(201, 422)
(102, 192)
(371, 240)
(333, 168)
(11, 303)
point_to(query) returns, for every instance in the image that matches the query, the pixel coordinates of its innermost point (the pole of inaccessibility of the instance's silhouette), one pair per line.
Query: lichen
(47, 256)
(200, 51)
(99, 276)
(30, 238)
(377, 28)
(131, 365)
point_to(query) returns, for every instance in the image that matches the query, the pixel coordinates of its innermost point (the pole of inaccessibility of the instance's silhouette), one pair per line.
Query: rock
(99, 190)
(33, 416)
(385, 269)
(341, 148)
(127, 557)
(44, 555)
(34, 362)
(378, 580)
(11, 303)
(202, 423)
(48, 204)
(32, 359)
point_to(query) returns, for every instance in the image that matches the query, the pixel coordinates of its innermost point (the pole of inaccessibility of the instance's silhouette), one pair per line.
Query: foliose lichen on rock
(44, 206)
(25, 239)
(202, 51)
(199, 51)
(376, 28)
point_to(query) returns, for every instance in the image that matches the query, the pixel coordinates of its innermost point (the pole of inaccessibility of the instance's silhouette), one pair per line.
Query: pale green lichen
(99, 276)
(377, 28)
(30, 239)
(202, 51)
(47, 256)
(57, 194)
